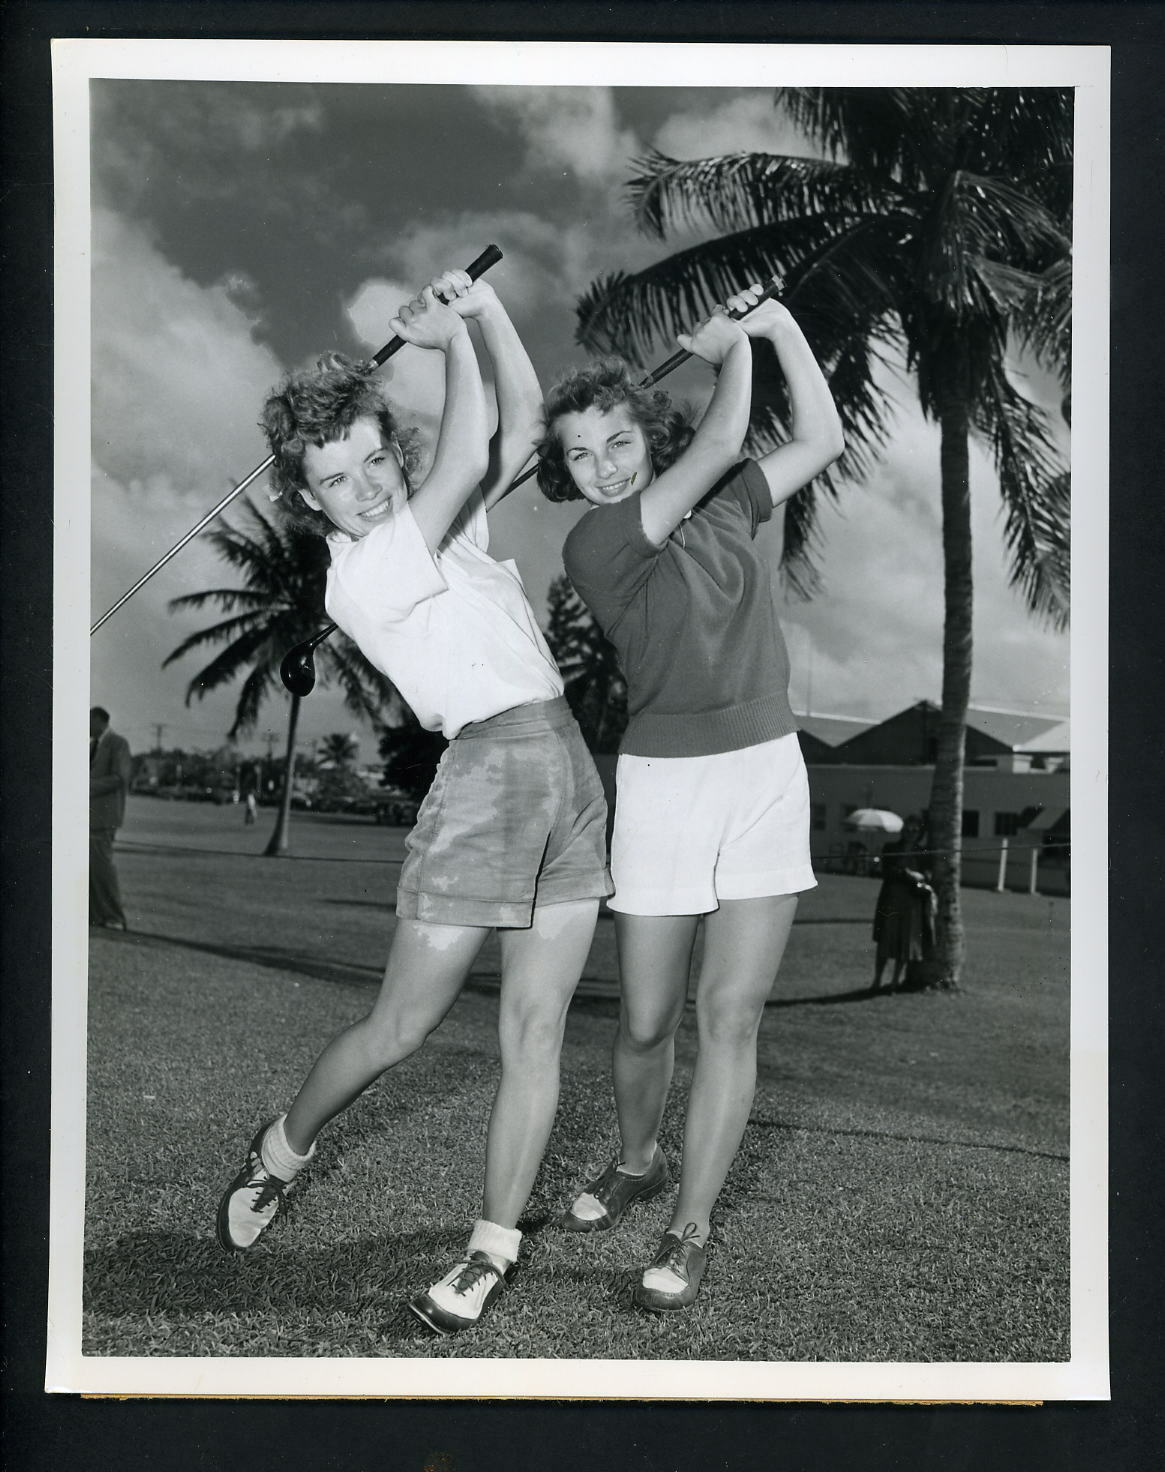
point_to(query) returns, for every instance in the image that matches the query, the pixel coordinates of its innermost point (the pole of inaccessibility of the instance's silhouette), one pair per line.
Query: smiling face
(605, 452)
(357, 481)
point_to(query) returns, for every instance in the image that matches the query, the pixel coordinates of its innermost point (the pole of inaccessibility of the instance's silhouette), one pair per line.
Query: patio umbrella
(874, 820)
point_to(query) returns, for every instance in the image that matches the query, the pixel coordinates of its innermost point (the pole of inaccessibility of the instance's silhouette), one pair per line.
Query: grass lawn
(901, 1193)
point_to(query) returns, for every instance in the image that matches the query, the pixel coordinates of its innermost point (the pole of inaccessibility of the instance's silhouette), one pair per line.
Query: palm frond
(1040, 310)
(252, 649)
(799, 551)
(280, 603)
(259, 684)
(1036, 496)
(867, 127)
(1025, 134)
(242, 625)
(367, 692)
(1003, 222)
(226, 598)
(631, 313)
(740, 191)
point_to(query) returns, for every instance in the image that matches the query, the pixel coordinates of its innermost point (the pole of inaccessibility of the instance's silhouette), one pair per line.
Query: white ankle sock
(278, 1156)
(498, 1241)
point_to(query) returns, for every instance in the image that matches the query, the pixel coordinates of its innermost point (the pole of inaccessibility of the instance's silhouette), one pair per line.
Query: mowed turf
(901, 1192)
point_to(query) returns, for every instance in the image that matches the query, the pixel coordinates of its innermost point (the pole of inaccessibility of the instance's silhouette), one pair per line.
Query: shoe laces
(268, 1188)
(673, 1253)
(472, 1273)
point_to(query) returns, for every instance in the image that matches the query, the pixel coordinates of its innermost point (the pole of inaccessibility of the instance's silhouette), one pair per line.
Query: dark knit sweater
(692, 622)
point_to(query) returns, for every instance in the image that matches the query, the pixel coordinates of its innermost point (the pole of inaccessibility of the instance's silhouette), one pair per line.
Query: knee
(531, 1036)
(389, 1038)
(729, 1023)
(642, 1031)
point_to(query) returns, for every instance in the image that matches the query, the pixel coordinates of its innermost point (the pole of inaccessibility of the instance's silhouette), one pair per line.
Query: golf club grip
(490, 256)
(672, 363)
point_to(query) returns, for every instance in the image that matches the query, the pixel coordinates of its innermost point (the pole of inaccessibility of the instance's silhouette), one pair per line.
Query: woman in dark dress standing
(904, 915)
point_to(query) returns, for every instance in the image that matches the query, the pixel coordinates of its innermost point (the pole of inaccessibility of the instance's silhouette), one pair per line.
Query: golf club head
(298, 669)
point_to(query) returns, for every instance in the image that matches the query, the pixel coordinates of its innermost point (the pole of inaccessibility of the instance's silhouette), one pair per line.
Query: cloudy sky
(239, 228)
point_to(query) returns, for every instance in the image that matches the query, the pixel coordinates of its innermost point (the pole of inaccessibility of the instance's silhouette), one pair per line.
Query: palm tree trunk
(277, 844)
(946, 793)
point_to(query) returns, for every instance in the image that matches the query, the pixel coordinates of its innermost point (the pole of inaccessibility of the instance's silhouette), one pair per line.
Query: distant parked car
(193, 792)
(398, 810)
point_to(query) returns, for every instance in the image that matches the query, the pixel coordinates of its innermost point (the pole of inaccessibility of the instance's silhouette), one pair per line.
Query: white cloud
(178, 379)
(746, 122)
(567, 129)
(178, 382)
(870, 642)
(414, 377)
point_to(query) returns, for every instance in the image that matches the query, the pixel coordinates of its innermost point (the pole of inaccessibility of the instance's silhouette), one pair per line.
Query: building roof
(831, 730)
(1015, 728)
(1057, 738)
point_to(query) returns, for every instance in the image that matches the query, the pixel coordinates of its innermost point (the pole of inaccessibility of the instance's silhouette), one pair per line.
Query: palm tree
(280, 605)
(933, 226)
(338, 748)
(593, 683)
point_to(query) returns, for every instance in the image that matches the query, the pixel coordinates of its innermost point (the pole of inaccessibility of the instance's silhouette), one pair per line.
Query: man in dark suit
(109, 773)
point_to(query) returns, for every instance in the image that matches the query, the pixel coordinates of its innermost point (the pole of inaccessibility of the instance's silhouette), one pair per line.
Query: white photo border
(1085, 1376)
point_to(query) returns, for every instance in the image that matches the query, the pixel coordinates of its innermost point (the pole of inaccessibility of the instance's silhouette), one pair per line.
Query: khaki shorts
(691, 831)
(515, 818)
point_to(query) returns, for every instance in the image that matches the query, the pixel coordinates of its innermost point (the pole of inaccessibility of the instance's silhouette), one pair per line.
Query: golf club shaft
(489, 257)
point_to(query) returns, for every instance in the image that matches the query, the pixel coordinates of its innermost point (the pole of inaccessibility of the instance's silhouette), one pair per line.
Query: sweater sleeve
(746, 484)
(608, 558)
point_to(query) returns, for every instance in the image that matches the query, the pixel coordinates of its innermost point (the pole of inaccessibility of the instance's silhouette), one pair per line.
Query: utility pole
(158, 729)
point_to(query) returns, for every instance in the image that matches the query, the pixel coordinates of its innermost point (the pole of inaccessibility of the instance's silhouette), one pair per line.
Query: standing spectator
(250, 807)
(904, 913)
(109, 773)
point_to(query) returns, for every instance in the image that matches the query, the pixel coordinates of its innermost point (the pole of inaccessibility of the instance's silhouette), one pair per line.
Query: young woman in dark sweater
(712, 813)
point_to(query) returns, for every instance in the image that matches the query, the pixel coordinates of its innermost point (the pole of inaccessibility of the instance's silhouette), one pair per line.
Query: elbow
(830, 446)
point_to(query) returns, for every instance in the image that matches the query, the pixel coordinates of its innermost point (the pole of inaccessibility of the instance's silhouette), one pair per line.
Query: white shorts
(694, 830)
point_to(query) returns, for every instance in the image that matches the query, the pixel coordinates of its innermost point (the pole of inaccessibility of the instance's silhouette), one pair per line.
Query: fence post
(1000, 881)
(1035, 863)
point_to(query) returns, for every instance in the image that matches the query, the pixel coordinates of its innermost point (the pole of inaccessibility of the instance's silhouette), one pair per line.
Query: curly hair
(314, 407)
(602, 385)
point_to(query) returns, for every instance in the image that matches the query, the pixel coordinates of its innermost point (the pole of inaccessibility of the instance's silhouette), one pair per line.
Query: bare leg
(655, 953)
(540, 970)
(744, 942)
(427, 967)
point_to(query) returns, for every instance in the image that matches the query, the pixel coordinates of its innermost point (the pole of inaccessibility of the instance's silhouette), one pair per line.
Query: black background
(64, 1432)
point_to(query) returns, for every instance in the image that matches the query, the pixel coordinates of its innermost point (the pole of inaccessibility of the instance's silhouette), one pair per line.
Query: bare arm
(816, 440)
(519, 395)
(461, 456)
(715, 448)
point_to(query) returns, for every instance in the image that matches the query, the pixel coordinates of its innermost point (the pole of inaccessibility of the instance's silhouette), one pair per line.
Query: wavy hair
(314, 407)
(602, 385)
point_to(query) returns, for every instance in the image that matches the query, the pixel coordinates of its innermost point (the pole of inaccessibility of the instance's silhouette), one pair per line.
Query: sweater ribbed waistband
(707, 733)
